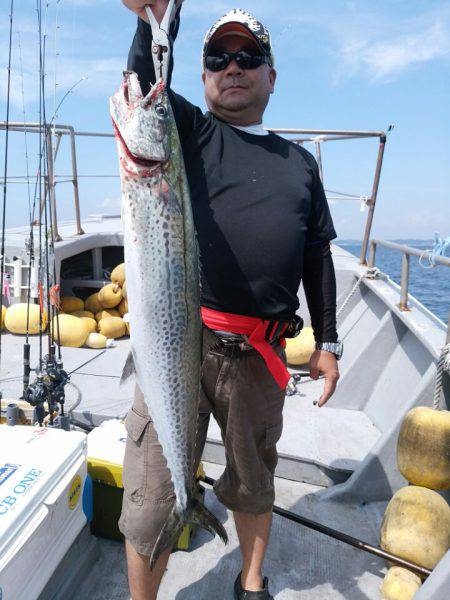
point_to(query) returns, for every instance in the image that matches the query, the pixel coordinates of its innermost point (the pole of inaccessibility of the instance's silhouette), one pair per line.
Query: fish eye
(161, 111)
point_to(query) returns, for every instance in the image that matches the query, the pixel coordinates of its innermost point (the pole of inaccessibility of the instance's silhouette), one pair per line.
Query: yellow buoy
(300, 348)
(16, 318)
(118, 274)
(124, 290)
(73, 331)
(416, 526)
(107, 312)
(92, 303)
(400, 584)
(423, 449)
(123, 307)
(110, 295)
(96, 340)
(83, 313)
(91, 324)
(70, 304)
(3, 316)
(112, 327)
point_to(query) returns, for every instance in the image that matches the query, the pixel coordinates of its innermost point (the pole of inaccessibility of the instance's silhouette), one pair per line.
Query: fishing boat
(337, 467)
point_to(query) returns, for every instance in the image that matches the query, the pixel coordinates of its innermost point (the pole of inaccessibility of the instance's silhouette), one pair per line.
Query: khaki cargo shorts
(237, 388)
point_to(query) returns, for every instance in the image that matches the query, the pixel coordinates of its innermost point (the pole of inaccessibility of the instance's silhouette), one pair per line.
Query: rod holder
(12, 414)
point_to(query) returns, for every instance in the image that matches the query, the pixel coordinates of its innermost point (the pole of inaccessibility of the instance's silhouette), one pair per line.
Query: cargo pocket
(273, 434)
(135, 461)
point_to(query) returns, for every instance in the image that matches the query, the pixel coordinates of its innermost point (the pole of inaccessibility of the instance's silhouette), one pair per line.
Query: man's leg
(248, 404)
(144, 583)
(253, 533)
(147, 501)
(146, 474)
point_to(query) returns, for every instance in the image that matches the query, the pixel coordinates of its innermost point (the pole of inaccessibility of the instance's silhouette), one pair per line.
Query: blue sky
(341, 64)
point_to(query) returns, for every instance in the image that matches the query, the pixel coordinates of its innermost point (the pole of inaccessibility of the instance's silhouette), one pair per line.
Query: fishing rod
(343, 537)
(8, 93)
(49, 385)
(30, 243)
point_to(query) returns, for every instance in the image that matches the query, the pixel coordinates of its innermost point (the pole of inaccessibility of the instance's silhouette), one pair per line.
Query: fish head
(142, 124)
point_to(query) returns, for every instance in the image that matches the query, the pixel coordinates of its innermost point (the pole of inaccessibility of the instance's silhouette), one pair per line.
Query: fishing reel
(48, 388)
(55, 380)
(58, 379)
(296, 378)
(36, 394)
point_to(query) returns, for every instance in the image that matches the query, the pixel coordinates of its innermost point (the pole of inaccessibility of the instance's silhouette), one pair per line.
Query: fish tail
(196, 514)
(202, 517)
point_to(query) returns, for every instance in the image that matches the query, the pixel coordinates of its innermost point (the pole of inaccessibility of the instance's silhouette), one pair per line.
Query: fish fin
(197, 514)
(168, 535)
(129, 369)
(202, 517)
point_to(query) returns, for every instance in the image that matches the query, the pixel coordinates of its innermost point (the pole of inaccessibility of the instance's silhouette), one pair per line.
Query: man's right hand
(158, 7)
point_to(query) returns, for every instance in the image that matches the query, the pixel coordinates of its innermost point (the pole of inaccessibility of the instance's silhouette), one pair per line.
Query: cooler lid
(106, 451)
(32, 461)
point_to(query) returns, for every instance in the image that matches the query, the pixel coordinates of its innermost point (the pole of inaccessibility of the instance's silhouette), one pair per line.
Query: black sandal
(241, 594)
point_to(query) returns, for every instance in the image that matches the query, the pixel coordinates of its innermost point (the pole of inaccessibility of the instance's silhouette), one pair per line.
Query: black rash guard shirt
(260, 212)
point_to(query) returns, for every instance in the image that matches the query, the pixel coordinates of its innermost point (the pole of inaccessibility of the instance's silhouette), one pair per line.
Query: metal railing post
(372, 253)
(51, 185)
(404, 282)
(319, 160)
(75, 181)
(18, 278)
(373, 201)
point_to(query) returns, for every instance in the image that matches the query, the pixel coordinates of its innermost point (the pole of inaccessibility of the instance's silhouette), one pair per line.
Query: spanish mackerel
(162, 273)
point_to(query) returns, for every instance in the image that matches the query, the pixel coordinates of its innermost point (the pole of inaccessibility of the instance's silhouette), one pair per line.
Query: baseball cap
(240, 22)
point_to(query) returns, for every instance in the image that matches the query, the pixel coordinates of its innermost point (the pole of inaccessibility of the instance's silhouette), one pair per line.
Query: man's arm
(140, 58)
(187, 116)
(319, 282)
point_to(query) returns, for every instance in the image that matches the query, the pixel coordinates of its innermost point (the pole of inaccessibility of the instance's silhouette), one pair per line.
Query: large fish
(162, 270)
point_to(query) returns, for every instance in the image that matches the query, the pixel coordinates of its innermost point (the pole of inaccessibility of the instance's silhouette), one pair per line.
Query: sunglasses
(219, 62)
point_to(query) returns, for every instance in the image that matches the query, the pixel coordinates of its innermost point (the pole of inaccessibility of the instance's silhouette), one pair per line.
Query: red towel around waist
(258, 331)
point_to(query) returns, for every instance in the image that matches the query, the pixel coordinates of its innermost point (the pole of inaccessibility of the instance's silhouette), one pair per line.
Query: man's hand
(158, 7)
(325, 363)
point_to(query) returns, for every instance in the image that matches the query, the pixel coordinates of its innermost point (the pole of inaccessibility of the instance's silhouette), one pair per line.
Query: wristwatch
(336, 348)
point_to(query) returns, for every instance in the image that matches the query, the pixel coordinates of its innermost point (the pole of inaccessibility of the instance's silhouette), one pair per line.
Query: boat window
(79, 266)
(111, 257)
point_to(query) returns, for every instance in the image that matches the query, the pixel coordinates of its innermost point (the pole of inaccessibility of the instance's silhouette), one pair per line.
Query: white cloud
(380, 50)
(386, 59)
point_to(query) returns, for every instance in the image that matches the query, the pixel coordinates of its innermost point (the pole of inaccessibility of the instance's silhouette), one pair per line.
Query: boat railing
(318, 137)
(407, 252)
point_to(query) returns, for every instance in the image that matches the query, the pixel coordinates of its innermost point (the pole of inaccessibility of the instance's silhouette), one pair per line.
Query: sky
(342, 64)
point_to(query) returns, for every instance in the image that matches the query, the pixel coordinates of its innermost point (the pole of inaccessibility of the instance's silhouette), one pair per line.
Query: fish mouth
(142, 162)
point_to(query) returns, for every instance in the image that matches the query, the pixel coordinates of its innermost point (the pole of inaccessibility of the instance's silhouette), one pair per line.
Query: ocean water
(430, 286)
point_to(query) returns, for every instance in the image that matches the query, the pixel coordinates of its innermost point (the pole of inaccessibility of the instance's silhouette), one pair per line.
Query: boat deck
(300, 563)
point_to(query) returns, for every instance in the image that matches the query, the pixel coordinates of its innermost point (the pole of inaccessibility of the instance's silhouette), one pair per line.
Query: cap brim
(233, 29)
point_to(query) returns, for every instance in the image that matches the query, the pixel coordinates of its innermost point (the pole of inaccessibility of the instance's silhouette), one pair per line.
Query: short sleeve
(320, 222)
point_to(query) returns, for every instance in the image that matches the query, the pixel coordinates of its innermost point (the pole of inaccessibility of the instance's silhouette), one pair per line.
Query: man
(262, 223)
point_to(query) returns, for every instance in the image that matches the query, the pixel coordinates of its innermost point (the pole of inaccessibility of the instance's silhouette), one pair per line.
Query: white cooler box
(42, 475)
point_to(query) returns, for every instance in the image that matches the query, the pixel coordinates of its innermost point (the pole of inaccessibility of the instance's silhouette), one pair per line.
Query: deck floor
(300, 563)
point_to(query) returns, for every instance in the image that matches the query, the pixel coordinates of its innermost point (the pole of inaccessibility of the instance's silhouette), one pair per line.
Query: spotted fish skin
(162, 270)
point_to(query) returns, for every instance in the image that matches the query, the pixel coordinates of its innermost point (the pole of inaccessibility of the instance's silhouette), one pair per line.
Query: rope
(372, 273)
(439, 249)
(443, 366)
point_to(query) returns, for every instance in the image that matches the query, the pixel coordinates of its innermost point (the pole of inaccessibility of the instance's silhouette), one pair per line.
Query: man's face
(237, 95)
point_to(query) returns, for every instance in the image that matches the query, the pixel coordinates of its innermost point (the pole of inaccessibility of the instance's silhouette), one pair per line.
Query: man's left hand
(324, 363)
